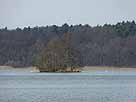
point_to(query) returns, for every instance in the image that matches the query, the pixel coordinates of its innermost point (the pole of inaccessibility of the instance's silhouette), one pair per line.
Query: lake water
(87, 86)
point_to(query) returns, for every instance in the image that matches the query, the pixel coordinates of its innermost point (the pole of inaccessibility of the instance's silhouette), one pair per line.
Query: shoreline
(86, 68)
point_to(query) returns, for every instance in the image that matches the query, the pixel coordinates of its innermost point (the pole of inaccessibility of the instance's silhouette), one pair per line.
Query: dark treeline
(107, 45)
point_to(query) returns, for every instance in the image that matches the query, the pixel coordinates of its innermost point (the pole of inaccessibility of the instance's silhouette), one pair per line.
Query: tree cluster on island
(58, 56)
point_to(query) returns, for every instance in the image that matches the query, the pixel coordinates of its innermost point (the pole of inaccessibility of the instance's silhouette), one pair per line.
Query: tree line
(107, 45)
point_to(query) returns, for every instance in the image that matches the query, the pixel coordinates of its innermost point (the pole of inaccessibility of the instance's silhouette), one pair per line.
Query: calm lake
(87, 86)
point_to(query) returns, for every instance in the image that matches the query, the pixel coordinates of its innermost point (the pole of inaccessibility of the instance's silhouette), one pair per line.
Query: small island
(58, 56)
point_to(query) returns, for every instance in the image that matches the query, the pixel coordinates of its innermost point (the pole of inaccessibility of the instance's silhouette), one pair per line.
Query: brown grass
(107, 68)
(6, 67)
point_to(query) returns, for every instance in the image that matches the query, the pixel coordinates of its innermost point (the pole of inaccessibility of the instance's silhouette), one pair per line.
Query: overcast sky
(22, 13)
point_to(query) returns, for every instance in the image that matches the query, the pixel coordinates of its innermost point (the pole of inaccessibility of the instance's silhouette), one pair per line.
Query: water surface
(87, 86)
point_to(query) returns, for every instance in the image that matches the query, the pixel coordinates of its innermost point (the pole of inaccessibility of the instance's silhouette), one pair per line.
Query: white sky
(20, 13)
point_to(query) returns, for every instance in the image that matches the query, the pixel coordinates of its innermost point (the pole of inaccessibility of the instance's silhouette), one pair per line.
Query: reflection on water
(87, 86)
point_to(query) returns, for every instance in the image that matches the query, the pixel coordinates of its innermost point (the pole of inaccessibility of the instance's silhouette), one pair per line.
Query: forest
(101, 45)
